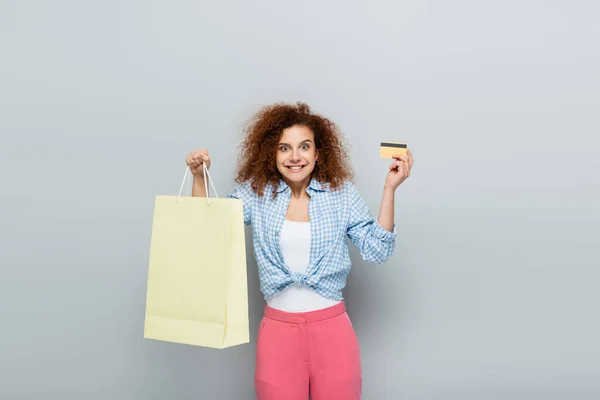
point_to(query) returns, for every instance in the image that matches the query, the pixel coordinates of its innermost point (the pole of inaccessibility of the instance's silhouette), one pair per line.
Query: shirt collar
(314, 185)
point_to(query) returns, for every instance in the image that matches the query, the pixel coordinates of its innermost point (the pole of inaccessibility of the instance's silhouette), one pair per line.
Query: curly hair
(257, 158)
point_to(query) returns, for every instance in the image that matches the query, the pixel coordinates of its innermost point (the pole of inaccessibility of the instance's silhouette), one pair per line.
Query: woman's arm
(399, 171)
(386, 211)
(199, 189)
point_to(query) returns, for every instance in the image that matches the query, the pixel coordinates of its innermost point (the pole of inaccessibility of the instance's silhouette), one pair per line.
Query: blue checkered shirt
(334, 214)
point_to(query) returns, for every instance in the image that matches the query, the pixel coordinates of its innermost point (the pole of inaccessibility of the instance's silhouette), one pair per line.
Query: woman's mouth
(296, 168)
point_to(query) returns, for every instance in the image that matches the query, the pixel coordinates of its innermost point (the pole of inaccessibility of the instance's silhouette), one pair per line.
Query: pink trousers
(314, 353)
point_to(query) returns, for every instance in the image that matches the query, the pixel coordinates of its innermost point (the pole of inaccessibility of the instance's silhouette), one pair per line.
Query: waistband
(305, 317)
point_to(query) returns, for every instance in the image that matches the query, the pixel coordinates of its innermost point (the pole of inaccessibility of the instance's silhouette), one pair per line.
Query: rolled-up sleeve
(375, 243)
(244, 192)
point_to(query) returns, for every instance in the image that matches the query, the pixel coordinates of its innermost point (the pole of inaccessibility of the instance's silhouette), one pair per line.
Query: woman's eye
(304, 147)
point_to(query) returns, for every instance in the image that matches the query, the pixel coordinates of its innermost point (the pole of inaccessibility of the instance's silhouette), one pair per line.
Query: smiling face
(296, 155)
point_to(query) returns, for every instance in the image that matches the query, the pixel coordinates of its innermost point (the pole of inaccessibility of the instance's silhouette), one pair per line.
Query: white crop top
(295, 248)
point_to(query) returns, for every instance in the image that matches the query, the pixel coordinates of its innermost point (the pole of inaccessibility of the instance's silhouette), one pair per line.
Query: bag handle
(205, 171)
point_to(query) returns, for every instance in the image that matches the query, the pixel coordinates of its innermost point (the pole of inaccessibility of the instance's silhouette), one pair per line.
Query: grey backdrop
(492, 290)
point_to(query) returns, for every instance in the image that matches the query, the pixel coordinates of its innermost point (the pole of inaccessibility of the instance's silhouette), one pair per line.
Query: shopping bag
(197, 291)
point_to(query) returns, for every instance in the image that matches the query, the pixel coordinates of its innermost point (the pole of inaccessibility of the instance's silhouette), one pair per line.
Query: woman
(294, 181)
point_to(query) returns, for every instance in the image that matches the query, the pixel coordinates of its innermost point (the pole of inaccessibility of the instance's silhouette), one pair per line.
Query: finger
(401, 166)
(406, 169)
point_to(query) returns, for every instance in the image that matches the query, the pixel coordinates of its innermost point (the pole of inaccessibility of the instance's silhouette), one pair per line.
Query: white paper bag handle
(205, 171)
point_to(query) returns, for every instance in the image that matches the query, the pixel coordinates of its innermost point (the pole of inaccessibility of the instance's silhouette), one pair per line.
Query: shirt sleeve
(244, 192)
(375, 243)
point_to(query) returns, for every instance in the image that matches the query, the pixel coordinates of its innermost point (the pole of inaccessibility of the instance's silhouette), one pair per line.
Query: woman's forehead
(296, 134)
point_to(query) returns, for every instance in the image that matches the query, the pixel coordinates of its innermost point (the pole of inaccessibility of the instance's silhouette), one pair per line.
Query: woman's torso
(295, 247)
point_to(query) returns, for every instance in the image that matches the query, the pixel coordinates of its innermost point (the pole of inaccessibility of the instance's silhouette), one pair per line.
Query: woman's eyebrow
(307, 140)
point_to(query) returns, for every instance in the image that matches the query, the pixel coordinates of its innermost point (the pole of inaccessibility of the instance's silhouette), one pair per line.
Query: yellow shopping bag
(197, 282)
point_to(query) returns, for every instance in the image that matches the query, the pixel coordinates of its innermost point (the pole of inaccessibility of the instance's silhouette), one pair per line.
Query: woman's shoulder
(242, 190)
(346, 188)
(246, 189)
(346, 192)
(349, 192)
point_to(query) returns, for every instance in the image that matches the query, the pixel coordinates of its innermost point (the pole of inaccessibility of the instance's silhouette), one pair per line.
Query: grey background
(492, 290)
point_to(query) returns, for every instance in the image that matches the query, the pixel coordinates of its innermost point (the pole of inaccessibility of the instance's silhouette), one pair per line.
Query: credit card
(388, 149)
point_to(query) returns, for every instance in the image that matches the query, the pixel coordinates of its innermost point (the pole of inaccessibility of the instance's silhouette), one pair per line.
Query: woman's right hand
(196, 159)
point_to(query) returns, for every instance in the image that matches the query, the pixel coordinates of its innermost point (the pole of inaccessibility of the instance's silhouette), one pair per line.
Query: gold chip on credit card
(388, 149)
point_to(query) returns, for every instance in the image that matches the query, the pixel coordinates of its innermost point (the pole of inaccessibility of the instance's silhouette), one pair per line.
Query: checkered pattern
(334, 215)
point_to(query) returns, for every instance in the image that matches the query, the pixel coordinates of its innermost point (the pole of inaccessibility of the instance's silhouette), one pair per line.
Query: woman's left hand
(399, 170)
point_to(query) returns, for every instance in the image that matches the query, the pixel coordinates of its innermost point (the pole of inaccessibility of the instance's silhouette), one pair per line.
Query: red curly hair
(256, 161)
